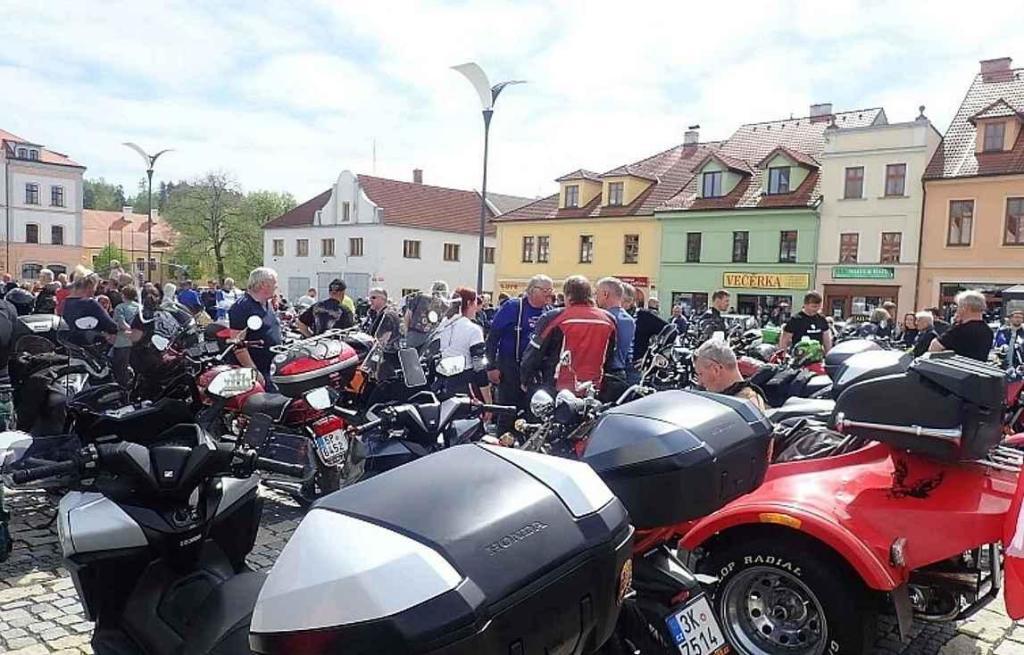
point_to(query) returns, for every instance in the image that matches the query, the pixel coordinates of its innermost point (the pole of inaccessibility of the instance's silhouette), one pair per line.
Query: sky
(283, 96)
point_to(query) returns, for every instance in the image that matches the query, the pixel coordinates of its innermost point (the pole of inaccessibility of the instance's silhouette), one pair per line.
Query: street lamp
(150, 162)
(488, 96)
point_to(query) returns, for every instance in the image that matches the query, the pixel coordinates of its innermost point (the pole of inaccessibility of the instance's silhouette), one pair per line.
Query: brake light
(327, 425)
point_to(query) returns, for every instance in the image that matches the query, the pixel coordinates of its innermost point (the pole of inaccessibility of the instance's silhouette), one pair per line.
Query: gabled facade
(597, 224)
(871, 214)
(371, 231)
(748, 219)
(40, 208)
(973, 219)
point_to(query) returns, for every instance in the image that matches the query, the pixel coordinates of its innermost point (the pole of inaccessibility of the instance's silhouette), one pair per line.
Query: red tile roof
(630, 170)
(801, 139)
(580, 174)
(102, 227)
(731, 163)
(955, 156)
(45, 156)
(998, 109)
(409, 204)
(669, 171)
(300, 215)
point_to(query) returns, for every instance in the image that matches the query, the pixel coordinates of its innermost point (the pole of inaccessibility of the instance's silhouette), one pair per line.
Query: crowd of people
(583, 333)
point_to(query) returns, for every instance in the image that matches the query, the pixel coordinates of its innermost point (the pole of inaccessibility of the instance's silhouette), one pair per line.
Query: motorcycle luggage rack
(332, 333)
(1003, 458)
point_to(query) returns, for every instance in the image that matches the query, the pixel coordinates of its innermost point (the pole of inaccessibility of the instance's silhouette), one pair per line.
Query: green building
(747, 221)
(763, 257)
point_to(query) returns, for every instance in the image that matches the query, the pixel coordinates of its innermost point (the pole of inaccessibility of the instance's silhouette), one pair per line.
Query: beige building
(871, 214)
(974, 209)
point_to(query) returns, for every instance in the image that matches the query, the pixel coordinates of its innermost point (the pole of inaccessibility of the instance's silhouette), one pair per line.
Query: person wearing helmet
(22, 299)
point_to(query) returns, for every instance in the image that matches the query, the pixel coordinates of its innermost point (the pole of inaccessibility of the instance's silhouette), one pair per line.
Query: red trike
(914, 517)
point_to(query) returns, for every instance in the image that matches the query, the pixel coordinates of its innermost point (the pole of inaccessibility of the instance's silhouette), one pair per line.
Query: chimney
(996, 70)
(692, 136)
(417, 176)
(821, 111)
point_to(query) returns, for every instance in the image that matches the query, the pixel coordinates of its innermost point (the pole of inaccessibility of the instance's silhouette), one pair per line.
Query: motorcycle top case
(836, 357)
(471, 550)
(679, 455)
(322, 363)
(868, 365)
(944, 406)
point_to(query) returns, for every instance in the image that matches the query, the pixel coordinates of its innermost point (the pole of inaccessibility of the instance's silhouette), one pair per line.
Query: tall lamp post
(150, 162)
(488, 96)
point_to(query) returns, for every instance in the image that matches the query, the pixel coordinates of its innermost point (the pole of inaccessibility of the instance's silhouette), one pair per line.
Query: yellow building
(598, 224)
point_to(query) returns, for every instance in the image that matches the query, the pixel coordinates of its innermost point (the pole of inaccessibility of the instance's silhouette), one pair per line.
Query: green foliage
(109, 253)
(100, 194)
(219, 228)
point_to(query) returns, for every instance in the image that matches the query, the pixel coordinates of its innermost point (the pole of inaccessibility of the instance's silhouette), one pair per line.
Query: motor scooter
(914, 518)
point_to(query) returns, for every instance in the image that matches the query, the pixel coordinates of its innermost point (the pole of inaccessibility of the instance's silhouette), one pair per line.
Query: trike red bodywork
(861, 503)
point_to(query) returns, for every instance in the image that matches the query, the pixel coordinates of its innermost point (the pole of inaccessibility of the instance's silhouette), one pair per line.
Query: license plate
(695, 629)
(332, 447)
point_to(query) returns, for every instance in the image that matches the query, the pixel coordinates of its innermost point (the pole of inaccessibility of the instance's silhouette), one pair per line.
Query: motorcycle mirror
(542, 404)
(451, 366)
(319, 398)
(160, 342)
(254, 323)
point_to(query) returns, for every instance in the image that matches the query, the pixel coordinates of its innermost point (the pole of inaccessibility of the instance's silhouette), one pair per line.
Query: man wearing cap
(329, 313)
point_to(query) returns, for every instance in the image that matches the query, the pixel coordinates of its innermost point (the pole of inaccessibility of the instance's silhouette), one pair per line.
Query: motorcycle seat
(820, 409)
(270, 404)
(221, 623)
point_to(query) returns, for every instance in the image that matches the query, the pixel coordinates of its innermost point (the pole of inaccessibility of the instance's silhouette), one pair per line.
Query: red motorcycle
(911, 512)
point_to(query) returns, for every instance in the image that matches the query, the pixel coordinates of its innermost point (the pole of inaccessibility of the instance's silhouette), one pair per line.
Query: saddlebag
(944, 406)
(472, 550)
(679, 455)
(319, 363)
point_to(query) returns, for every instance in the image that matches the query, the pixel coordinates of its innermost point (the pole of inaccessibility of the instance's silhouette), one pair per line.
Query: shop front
(644, 288)
(753, 292)
(859, 290)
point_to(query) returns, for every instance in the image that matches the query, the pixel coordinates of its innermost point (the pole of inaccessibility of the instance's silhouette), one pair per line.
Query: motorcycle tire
(776, 594)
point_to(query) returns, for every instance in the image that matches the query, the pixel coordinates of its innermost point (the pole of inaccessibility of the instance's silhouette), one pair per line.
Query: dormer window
(23, 153)
(778, 180)
(711, 186)
(33, 154)
(572, 195)
(994, 135)
(615, 193)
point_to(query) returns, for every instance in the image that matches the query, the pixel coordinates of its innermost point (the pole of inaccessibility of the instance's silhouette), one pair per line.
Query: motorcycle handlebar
(281, 468)
(501, 410)
(369, 425)
(46, 471)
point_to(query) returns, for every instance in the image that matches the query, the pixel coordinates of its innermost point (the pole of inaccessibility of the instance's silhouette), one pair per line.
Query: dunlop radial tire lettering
(849, 610)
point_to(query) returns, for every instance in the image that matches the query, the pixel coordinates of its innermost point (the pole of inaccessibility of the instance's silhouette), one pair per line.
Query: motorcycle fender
(876, 572)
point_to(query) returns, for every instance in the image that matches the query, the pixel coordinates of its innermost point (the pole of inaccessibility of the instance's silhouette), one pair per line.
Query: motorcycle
(155, 540)
(913, 513)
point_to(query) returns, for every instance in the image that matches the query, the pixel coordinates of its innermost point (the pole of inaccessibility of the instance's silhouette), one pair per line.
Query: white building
(372, 232)
(871, 214)
(40, 208)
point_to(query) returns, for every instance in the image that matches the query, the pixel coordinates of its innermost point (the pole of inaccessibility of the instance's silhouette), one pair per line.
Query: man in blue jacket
(508, 339)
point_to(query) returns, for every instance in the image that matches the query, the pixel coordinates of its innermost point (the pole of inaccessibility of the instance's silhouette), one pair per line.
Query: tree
(257, 208)
(206, 213)
(109, 253)
(100, 194)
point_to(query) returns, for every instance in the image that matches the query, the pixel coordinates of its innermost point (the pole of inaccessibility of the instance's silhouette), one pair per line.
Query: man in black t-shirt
(970, 335)
(808, 322)
(711, 321)
(327, 314)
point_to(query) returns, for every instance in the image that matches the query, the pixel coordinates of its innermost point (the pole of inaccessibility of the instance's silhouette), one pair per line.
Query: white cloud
(286, 95)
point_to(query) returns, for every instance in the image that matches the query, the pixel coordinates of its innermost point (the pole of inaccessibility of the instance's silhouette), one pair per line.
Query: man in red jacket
(581, 329)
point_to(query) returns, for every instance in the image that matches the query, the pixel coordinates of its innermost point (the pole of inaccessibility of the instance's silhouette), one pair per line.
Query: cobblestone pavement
(40, 612)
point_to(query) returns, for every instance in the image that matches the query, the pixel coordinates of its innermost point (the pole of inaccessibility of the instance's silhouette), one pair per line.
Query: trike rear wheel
(789, 597)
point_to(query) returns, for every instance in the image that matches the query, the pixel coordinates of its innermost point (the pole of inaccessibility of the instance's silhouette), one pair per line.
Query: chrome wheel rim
(766, 611)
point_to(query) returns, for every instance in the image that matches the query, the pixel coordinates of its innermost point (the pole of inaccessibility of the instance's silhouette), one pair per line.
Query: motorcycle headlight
(72, 383)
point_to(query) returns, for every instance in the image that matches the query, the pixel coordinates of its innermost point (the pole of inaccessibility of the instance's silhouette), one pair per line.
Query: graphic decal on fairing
(917, 489)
